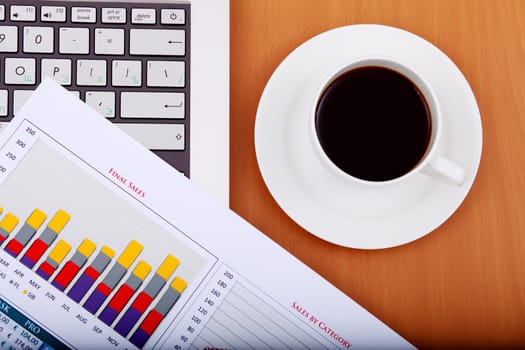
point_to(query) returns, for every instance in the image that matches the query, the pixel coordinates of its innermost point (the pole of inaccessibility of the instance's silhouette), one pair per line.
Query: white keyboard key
(8, 39)
(53, 14)
(91, 72)
(83, 14)
(126, 73)
(2, 12)
(143, 16)
(102, 101)
(19, 98)
(114, 15)
(152, 105)
(23, 13)
(156, 136)
(3, 103)
(38, 39)
(57, 69)
(109, 41)
(20, 71)
(165, 42)
(165, 73)
(74, 40)
(172, 16)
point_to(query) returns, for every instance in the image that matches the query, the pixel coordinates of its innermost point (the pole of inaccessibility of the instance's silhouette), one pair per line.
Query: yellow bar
(179, 284)
(36, 219)
(168, 266)
(130, 254)
(108, 251)
(60, 251)
(87, 247)
(142, 270)
(9, 222)
(58, 221)
(1, 210)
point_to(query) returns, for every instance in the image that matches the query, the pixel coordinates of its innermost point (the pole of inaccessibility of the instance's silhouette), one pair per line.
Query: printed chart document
(104, 246)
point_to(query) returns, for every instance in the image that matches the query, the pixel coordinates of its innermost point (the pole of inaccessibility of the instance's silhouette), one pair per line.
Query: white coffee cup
(430, 163)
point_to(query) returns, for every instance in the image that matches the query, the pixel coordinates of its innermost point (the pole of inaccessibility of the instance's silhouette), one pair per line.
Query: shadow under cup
(373, 123)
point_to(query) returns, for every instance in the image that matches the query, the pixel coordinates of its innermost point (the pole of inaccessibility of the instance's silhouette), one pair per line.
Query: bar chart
(113, 261)
(49, 262)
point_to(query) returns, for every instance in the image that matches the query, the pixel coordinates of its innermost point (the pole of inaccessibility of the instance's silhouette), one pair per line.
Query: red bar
(92, 273)
(151, 322)
(36, 250)
(142, 302)
(66, 275)
(120, 299)
(2, 239)
(102, 288)
(47, 268)
(14, 247)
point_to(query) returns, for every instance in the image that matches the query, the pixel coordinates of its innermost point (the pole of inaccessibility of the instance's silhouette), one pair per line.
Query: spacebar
(157, 136)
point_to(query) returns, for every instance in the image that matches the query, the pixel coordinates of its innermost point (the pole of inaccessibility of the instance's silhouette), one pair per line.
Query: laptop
(157, 69)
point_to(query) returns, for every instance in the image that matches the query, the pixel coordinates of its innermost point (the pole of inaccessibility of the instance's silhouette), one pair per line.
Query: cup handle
(444, 168)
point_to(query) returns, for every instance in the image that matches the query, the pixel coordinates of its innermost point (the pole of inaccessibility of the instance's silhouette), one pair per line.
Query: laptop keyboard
(128, 61)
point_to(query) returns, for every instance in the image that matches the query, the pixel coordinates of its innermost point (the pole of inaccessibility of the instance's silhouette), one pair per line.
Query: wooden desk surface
(463, 285)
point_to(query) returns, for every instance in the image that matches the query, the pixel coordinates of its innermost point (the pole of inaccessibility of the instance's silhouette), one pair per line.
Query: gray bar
(167, 301)
(78, 259)
(114, 276)
(154, 286)
(4, 233)
(48, 236)
(25, 234)
(133, 282)
(100, 262)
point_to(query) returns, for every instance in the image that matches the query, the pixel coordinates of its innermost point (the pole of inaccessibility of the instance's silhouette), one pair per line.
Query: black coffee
(373, 123)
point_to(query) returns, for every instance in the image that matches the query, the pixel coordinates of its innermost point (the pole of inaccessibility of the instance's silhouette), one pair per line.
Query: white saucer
(322, 202)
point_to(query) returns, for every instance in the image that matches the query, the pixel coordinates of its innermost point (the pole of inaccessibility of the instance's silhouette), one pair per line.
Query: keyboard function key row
(27, 13)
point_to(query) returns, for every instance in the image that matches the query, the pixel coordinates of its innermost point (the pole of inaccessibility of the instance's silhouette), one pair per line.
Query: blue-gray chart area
(18, 332)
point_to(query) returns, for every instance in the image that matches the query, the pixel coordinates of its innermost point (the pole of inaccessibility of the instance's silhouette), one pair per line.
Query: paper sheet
(103, 245)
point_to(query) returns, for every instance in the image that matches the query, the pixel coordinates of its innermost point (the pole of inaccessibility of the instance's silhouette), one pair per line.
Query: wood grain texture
(463, 285)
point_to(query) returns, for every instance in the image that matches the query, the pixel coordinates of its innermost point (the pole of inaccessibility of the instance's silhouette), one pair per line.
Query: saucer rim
(271, 178)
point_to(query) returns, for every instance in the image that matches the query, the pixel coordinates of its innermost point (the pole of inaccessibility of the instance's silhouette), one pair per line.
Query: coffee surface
(373, 123)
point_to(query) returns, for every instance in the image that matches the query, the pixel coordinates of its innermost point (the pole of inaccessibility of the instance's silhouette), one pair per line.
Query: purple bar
(10, 252)
(42, 274)
(27, 262)
(94, 301)
(80, 288)
(139, 338)
(127, 321)
(108, 315)
(58, 286)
